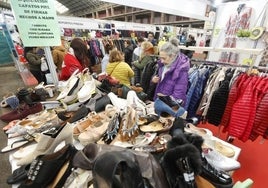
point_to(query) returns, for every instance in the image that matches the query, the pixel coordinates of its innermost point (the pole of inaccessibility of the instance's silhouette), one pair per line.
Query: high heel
(48, 142)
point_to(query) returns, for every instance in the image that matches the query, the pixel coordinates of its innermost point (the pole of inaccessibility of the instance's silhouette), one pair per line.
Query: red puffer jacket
(244, 110)
(260, 125)
(233, 95)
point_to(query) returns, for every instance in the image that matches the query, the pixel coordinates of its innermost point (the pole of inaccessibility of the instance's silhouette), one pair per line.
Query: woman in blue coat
(172, 80)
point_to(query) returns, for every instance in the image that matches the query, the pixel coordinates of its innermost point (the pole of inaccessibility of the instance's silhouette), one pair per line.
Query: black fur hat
(195, 139)
(169, 163)
(182, 146)
(179, 138)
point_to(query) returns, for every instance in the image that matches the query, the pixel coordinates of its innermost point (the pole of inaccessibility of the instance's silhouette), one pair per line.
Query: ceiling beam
(191, 8)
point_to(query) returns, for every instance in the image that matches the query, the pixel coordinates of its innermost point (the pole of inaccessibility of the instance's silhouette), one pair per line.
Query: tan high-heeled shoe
(48, 143)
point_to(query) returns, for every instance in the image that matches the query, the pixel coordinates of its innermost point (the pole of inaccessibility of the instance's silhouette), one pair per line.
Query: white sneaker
(219, 161)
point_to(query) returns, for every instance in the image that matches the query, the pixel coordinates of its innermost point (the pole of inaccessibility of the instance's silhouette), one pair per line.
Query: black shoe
(101, 103)
(24, 96)
(45, 168)
(19, 175)
(105, 87)
(218, 178)
(82, 112)
(169, 101)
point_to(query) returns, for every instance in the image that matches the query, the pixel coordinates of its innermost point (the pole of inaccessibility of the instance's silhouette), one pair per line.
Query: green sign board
(37, 22)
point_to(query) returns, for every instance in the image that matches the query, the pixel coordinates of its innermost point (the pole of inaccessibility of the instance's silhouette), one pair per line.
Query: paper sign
(37, 22)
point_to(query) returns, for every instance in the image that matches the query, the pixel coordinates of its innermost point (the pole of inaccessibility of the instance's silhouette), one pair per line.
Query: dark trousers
(39, 75)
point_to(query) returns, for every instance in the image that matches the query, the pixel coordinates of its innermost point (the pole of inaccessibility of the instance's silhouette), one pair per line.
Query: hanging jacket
(260, 125)
(197, 83)
(233, 94)
(219, 100)
(244, 110)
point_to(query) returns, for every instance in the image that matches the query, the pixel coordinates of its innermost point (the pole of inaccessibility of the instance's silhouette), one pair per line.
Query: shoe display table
(224, 147)
(213, 142)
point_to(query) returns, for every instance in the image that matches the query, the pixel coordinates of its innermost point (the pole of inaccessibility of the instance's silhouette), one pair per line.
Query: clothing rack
(251, 51)
(205, 62)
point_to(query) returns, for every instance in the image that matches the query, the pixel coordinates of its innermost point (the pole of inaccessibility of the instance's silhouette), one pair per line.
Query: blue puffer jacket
(175, 81)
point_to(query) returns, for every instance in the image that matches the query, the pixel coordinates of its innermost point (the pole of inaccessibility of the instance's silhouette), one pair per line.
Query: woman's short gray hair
(171, 47)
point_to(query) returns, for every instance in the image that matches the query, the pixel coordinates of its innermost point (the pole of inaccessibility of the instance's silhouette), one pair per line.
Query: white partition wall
(224, 12)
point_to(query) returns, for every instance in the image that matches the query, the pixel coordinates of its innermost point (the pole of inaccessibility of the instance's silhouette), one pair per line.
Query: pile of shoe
(91, 116)
(53, 161)
(26, 101)
(48, 163)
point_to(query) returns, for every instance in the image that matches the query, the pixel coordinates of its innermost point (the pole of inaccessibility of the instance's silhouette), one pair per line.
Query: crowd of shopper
(160, 70)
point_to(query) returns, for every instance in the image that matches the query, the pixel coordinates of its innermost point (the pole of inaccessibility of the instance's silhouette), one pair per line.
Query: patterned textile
(240, 20)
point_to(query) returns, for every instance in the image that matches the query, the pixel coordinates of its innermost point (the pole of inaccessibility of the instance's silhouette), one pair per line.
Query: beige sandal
(82, 124)
(161, 125)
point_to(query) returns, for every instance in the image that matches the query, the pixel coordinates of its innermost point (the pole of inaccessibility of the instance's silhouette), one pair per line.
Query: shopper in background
(76, 58)
(154, 41)
(34, 63)
(190, 42)
(128, 52)
(40, 51)
(207, 44)
(118, 68)
(58, 53)
(147, 56)
(172, 78)
(137, 51)
(105, 60)
(151, 38)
